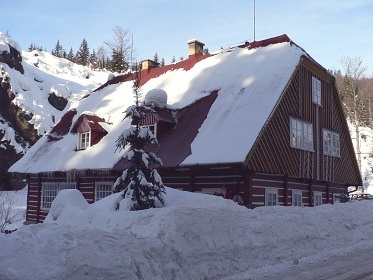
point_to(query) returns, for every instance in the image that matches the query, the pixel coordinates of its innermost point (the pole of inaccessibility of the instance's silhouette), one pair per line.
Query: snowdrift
(195, 236)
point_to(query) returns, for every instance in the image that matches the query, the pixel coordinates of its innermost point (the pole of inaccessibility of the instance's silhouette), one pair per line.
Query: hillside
(36, 89)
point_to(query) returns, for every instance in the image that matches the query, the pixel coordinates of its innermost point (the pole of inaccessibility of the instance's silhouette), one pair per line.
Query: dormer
(89, 130)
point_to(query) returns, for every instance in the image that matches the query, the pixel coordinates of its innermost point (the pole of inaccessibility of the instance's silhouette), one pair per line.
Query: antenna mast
(254, 20)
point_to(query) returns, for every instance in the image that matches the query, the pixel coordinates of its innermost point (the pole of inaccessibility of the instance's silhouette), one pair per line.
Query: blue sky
(327, 30)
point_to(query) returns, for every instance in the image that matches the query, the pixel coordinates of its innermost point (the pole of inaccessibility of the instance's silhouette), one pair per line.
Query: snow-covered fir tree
(83, 53)
(58, 50)
(70, 55)
(143, 183)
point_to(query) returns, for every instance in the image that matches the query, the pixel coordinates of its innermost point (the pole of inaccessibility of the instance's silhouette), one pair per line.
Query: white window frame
(49, 191)
(152, 128)
(317, 199)
(103, 189)
(271, 197)
(301, 134)
(316, 91)
(331, 143)
(297, 198)
(84, 140)
(336, 198)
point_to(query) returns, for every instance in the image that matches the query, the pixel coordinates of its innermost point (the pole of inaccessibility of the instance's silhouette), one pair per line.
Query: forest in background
(355, 87)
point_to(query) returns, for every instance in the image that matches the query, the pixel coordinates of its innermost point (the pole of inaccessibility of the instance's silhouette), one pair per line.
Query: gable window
(84, 140)
(331, 143)
(316, 91)
(317, 198)
(301, 134)
(103, 189)
(297, 198)
(271, 197)
(49, 191)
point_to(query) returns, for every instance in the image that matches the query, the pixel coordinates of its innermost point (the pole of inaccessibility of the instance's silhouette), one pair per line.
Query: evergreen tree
(142, 180)
(118, 63)
(156, 59)
(93, 59)
(34, 47)
(83, 53)
(162, 62)
(70, 55)
(58, 49)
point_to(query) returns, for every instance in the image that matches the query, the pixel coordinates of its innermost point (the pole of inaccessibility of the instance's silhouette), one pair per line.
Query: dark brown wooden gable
(272, 152)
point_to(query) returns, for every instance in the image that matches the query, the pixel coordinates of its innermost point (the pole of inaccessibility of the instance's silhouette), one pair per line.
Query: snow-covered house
(263, 119)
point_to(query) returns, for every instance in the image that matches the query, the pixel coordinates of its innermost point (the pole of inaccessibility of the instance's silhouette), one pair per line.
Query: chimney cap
(195, 41)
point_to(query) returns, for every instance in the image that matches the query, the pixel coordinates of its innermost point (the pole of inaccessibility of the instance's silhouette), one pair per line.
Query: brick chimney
(148, 64)
(195, 47)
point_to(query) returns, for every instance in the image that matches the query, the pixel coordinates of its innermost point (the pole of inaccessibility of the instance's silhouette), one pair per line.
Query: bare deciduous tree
(122, 49)
(354, 96)
(9, 211)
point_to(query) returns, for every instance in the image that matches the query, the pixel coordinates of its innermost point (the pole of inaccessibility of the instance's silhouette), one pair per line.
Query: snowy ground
(195, 236)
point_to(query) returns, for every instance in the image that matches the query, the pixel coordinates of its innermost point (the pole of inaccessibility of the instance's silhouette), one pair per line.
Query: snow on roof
(249, 83)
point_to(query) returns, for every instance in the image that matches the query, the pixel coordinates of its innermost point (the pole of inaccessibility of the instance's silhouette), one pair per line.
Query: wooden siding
(85, 182)
(235, 177)
(272, 152)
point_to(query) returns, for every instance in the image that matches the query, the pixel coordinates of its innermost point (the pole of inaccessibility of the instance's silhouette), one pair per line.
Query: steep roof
(247, 82)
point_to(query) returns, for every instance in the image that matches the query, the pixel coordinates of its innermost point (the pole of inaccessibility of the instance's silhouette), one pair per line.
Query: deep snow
(44, 74)
(195, 236)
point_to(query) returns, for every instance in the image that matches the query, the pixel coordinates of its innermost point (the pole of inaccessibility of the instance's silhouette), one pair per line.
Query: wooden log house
(262, 119)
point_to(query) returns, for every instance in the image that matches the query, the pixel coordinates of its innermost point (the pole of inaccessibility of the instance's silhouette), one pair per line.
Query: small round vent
(156, 98)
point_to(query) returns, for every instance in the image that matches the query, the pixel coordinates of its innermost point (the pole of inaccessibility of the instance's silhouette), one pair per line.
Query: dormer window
(84, 140)
(89, 130)
(152, 128)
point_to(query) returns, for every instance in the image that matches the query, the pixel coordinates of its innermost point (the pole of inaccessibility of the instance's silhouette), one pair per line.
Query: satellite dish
(156, 98)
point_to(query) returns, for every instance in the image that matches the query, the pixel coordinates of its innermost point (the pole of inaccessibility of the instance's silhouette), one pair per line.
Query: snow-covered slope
(45, 74)
(27, 82)
(195, 236)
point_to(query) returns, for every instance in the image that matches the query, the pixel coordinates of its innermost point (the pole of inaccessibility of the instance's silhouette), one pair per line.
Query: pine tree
(70, 55)
(143, 182)
(156, 59)
(83, 53)
(162, 62)
(58, 49)
(93, 59)
(118, 64)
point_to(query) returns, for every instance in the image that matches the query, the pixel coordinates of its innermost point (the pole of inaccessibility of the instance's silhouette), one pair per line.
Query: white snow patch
(195, 236)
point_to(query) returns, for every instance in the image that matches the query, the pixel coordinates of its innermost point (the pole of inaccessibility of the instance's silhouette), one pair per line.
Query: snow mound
(61, 90)
(156, 98)
(66, 203)
(195, 236)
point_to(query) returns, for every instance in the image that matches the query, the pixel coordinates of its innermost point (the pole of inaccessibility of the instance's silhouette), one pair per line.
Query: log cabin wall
(85, 183)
